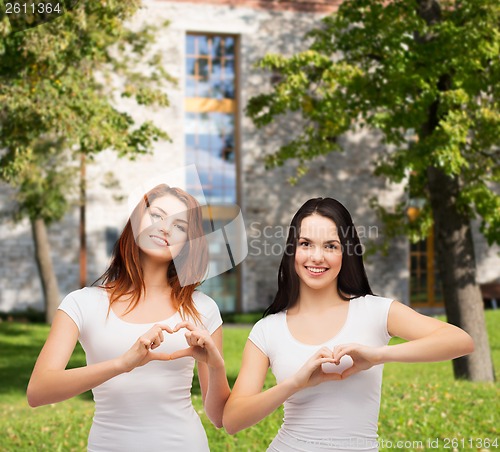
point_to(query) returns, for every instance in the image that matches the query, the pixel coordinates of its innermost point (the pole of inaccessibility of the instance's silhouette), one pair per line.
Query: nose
(317, 254)
(165, 227)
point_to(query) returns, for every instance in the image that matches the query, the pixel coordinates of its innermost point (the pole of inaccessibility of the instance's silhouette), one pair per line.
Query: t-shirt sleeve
(73, 308)
(209, 312)
(258, 336)
(384, 304)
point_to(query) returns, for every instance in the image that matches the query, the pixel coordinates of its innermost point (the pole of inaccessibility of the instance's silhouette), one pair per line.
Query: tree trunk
(455, 247)
(457, 267)
(45, 269)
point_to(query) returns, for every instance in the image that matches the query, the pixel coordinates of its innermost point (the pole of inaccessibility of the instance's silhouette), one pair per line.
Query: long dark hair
(124, 276)
(352, 281)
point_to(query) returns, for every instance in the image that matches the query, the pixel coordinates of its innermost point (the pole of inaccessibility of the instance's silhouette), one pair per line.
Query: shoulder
(85, 297)
(203, 303)
(83, 305)
(208, 310)
(269, 322)
(372, 314)
(373, 302)
(265, 334)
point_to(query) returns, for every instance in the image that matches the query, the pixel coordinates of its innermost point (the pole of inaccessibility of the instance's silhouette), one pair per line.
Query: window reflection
(210, 68)
(210, 145)
(210, 139)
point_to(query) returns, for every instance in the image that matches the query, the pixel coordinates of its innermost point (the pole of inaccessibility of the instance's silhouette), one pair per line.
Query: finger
(324, 360)
(161, 327)
(197, 334)
(190, 339)
(196, 338)
(167, 328)
(159, 357)
(324, 353)
(155, 342)
(144, 342)
(184, 324)
(209, 344)
(316, 364)
(339, 351)
(182, 353)
(331, 377)
(348, 372)
(157, 339)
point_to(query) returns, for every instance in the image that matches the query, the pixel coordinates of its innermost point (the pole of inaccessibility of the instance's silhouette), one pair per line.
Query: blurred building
(211, 47)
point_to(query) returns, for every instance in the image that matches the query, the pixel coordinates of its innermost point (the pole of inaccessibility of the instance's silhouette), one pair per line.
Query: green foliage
(58, 87)
(419, 401)
(430, 86)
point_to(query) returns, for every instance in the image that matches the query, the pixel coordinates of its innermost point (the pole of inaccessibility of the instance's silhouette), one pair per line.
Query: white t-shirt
(150, 407)
(334, 415)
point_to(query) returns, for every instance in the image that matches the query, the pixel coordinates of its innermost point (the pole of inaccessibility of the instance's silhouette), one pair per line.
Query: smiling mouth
(158, 240)
(317, 270)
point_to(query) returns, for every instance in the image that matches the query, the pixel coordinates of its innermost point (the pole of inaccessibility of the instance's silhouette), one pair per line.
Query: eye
(332, 246)
(156, 216)
(180, 227)
(304, 244)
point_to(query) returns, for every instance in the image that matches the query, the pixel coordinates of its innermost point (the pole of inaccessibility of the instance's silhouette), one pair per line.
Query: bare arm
(247, 404)
(428, 339)
(213, 383)
(51, 382)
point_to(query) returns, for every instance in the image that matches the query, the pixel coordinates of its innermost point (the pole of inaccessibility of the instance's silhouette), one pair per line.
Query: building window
(425, 285)
(211, 136)
(210, 114)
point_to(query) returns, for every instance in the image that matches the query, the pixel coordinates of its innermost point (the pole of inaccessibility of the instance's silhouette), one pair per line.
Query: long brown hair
(124, 277)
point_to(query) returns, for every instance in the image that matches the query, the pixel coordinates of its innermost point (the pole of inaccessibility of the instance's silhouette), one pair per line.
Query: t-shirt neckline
(116, 316)
(342, 329)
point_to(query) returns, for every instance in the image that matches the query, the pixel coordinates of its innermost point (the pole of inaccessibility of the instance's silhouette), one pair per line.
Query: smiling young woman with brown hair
(134, 327)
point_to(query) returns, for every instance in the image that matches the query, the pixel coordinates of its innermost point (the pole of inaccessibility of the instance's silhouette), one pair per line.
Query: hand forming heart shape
(331, 368)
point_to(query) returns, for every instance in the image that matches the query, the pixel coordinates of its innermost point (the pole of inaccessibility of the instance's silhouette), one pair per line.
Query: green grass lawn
(420, 402)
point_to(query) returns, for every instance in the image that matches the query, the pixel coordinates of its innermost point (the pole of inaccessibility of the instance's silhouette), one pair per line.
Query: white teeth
(158, 240)
(317, 270)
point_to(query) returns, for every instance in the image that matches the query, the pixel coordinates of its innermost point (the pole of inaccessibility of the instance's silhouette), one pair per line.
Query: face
(318, 258)
(163, 228)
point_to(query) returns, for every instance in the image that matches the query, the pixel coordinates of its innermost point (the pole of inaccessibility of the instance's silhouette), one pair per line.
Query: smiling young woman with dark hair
(352, 280)
(325, 338)
(135, 327)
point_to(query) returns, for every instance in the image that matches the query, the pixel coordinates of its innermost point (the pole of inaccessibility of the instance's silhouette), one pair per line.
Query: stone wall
(267, 200)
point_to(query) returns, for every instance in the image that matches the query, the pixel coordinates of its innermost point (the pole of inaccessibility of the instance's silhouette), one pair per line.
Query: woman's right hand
(311, 374)
(140, 353)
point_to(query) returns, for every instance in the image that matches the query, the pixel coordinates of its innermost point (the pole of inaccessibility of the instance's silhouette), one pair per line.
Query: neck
(155, 276)
(318, 299)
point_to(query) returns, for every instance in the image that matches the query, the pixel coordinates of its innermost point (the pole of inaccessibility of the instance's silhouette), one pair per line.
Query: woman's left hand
(363, 356)
(201, 346)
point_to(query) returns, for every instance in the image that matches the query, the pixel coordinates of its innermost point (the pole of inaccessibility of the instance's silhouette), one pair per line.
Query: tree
(57, 102)
(424, 68)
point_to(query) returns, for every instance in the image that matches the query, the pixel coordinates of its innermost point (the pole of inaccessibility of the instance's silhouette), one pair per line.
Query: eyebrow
(328, 241)
(166, 214)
